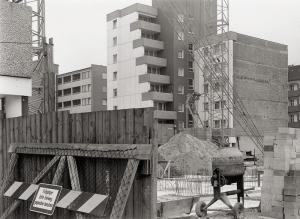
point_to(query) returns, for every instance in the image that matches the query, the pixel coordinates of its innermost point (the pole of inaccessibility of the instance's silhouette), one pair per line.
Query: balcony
(168, 115)
(154, 78)
(157, 96)
(144, 25)
(151, 60)
(293, 109)
(148, 43)
(294, 93)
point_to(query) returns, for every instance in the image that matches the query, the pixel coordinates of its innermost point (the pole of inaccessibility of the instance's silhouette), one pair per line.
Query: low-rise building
(82, 90)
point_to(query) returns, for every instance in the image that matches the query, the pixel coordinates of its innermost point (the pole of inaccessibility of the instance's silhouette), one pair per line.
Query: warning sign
(45, 199)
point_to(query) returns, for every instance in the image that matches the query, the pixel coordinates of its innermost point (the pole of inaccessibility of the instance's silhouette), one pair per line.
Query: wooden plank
(54, 126)
(78, 128)
(113, 131)
(38, 128)
(124, 190)
(85, 127)
(66, 128)
(92, 127)
(28, 130)
(99, 135)
(33, 129)
(1, 150)
(106, 127)
(129, 134)
(44, 128)
(60, 127)
(121, 126)
(16, 130)
(73, 128)
(49, 127)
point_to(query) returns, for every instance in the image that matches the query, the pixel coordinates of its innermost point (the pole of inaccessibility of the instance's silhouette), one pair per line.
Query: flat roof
(137, 7)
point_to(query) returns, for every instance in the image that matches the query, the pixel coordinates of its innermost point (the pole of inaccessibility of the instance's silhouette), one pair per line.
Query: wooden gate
(115, 155)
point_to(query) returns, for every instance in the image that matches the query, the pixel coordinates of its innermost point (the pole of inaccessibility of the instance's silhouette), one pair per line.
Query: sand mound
(189, 154)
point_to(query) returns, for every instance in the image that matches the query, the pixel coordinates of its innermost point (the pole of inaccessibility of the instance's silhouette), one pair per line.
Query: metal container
(230, 162)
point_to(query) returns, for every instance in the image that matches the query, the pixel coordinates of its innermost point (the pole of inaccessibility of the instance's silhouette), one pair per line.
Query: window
(67, 104)
(59, 93)
(76, 77)
(59, 105)
(115, 58)
(181, 72)
(206, 106)
(293, 102)
(190, 84)
(85, 75)
(217, 87)
(180, 54)
(115, 75)
(115, 108)
(293, 118)
(191, 47)
(180, 36)
(293, 87)
(205, 88)
(104, 102)
(160, 106)
(76, 90)
(180, 18)
(104, 75)
(115, 41)
(77, 102)
(151, 53)
(59, 81)
(223, 104)
(86, 101)
(206, 124)
(224, 122)
(217, 124)
(67, 91)
(217, 105)
(191, 66)
(153, 70)
(180, 89)
(115, 92)
(181, 108)
(67, 79)
(115, 24)
(104, 89)
(86, 88)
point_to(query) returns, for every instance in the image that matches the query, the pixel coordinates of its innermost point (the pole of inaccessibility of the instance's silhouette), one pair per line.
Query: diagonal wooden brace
(124, 190)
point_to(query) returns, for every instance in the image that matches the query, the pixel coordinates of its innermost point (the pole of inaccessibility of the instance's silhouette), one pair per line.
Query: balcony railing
(144, 25)
(168, 115)
(148, 43)
(154, 78)
(151, 60)
(157, 96)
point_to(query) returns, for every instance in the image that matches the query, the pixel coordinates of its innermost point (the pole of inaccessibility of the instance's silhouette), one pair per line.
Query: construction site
(209, 141)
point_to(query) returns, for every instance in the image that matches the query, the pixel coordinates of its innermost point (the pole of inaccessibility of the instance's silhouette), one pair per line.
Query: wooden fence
(133, 126)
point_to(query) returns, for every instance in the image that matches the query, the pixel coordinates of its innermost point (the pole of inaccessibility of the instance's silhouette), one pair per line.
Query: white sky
(79, 27)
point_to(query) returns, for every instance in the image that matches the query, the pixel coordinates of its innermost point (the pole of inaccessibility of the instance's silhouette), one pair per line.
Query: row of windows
(294, 101)
(74, 103)
(217, 105)
(77, 77)
(216, 87)
(216, 123)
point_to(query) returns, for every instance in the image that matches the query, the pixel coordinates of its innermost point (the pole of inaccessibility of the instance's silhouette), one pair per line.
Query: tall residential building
(257, 72)
(294, 96)
(82, 90)
(148, 58)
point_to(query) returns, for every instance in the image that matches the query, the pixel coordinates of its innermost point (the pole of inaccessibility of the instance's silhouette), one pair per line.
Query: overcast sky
(79, 27)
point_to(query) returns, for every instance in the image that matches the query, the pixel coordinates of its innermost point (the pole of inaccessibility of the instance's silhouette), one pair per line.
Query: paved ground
(251, 204)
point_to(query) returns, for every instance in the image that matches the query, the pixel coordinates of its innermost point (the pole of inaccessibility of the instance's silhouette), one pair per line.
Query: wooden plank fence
(133, 126)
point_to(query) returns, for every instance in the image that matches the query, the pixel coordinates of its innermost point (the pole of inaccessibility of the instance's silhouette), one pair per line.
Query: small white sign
(45, 199)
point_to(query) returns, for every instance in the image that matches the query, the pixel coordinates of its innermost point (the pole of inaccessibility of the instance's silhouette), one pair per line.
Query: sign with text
(45, 199)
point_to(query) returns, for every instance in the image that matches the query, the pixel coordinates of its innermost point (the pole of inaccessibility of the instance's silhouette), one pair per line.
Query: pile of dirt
(188, 154)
